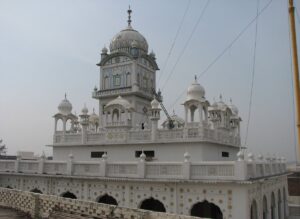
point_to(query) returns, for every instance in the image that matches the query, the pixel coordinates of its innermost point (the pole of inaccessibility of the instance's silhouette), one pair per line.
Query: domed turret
(104, 50)
(154, 104)
(123, 40)
(195, 91)
(65, 107)
(84, 110)
(94, 118)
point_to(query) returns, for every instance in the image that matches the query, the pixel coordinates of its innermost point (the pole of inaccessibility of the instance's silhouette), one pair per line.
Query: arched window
(68, 195)
(107, 199)
(128, 79)
(284, 203)
(106, 82)
(193, 109)
(68, 125)
(273, 206)
(265, 208)
(253, 210)
(35, 190)
(59, 125)
(152, 204)
(115, 115)
(206, 209)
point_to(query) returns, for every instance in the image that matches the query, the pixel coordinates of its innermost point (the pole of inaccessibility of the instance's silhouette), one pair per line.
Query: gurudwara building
(121, 156)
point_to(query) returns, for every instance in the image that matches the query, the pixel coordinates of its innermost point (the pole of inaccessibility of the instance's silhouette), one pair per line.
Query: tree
(2, 148)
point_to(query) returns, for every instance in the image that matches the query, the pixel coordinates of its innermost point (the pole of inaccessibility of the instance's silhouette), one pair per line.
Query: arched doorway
(265, 208)
(35, 190)
(68, 195)
(284, 203)
(152, 204)
(206, 209)
(107, 199)
(253, 210)
(273, 206)
(279, 205)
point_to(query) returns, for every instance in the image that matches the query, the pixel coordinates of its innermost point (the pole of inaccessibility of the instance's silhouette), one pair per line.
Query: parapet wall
(208, 170)
(46, 206)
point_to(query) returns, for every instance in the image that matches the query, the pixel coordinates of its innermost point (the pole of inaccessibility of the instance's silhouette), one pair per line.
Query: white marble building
(121, 156)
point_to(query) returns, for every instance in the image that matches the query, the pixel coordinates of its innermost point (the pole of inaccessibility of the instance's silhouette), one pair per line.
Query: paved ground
(6, 213)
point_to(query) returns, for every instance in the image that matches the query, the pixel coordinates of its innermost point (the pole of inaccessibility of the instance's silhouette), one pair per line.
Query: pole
(296, 73)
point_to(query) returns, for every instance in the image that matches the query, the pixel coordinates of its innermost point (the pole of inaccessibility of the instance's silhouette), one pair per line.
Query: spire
(195, 78)
(65, 96)
(129, 11)
(221, 98)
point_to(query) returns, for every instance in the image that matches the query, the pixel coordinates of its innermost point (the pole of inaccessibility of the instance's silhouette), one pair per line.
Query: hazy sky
(48, 48)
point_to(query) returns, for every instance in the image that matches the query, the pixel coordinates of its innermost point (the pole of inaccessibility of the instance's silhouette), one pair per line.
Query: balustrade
(221, 170)
(193, 134)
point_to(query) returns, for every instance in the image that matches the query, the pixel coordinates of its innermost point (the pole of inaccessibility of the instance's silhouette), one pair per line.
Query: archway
(68, 195)
(265, 208)
(152, 204)
(107, 199)
(35, 190)
(206, 209)
(59, 125)
(253, 210)
(273, 206)
(284, 203)
(115, 115)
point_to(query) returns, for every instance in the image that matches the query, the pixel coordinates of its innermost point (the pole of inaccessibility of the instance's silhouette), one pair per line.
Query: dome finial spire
(195, 78)
(129, 11)
(65, 96)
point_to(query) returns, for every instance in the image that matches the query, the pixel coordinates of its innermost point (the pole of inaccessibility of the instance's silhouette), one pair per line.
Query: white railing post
(70, 165)
(186, 166)
(240, 167)
(17, 163)
(142, 166)
(103, 165)
(41, 164)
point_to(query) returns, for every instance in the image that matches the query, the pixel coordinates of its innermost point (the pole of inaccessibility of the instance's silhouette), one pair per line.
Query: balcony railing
(163, 135)
(208, 170)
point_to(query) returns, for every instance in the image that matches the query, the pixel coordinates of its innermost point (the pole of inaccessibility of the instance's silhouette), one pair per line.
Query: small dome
(154, 104)
(84, 110)
(152, 54)
(221, 105)
(65, 107)
(94, 118)
(233, 108)
(104, 50)
(195, 91)
(126, 39)
(119, 101)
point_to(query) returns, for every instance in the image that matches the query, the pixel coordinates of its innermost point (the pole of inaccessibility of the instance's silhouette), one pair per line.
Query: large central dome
(125, 39)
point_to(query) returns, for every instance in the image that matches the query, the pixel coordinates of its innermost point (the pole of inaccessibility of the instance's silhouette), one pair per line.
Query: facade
(192, 165)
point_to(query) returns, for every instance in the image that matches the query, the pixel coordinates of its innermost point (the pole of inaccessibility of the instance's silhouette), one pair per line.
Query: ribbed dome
(123, 41)
(65, 107)
(195, 91)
